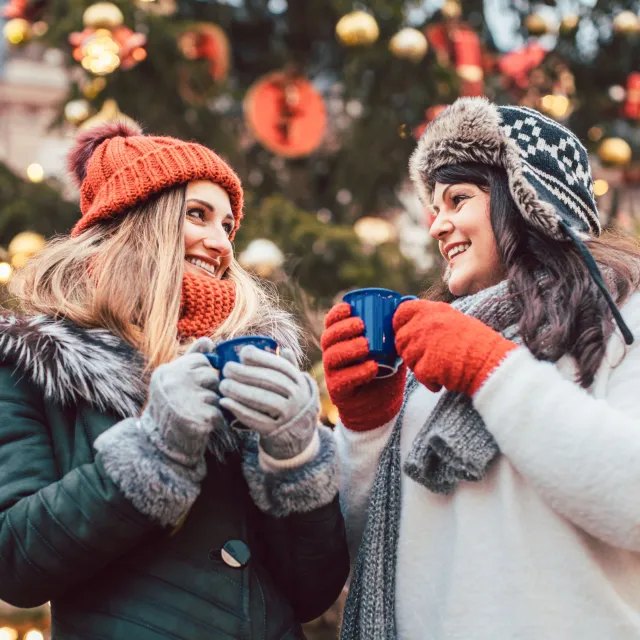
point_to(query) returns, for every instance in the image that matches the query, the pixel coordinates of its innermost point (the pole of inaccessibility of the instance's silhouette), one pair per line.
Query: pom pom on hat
(117, 168)
(89, 140)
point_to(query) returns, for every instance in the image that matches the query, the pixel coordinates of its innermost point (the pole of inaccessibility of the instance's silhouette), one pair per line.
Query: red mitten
(445, 348)
(364, 401)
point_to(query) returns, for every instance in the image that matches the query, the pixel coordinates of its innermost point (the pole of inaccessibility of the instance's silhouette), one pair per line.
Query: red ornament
(518, 64)
(130, 45)
(209, 42)
(30, 10)
(632, 103)
(468, 57)
(459, 44)
(286, 114)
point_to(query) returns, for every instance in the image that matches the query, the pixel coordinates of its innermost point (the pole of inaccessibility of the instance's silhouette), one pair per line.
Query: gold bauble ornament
(409, 44)
(102, 15)
(627, 23)
(357, 28)
(615, 152)
(26, 243)
(76, 111)
(536, 24)
(17, 31)
(110, 112)
(451, 9)
(569, 24)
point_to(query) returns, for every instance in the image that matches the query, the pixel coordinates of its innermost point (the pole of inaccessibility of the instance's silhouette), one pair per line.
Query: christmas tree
(318, 105)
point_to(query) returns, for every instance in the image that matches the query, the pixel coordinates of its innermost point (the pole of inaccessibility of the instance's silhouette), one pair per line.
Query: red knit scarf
(205, 304)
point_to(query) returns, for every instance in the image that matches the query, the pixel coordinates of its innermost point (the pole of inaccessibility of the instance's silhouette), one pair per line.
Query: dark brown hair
(570, 316)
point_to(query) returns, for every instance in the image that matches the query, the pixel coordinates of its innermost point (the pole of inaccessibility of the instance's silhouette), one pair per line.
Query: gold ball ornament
(102, 15)
(451, 9)
(615, 152)
(569, 24)
(17, 31)
(26, 243)
(108, 113)
(409, 44)
(536, 24)
(627, 23)
(357, 28)
(76, 111)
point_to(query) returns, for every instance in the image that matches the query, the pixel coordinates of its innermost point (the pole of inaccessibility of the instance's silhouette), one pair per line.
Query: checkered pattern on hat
(555, 163)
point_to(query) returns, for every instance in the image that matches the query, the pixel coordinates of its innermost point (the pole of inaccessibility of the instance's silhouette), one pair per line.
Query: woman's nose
(441, 227)
(218, 242)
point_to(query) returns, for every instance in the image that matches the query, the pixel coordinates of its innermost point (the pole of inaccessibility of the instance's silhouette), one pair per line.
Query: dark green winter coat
(68, 536)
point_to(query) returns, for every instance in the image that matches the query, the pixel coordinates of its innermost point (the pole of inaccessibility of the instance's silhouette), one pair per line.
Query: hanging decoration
(626, 23)
(615, 152)
(105, 43)
(457, 44)
(536, 24)
(209, 42)
(262, 256)
(357, 28)
(517, 65)
(631, 107)
(24, 246)
(451, 9)
(286, 114)
(468, 60)
(569, 25)
(77, 111)
(409, 44)
(203, 41)
(17, 31)
(110, 112)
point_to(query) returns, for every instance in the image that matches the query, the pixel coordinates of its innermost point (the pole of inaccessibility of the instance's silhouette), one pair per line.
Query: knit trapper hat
(116, 167)
(546, 165)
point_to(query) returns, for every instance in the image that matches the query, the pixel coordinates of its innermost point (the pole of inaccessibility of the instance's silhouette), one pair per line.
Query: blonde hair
(125, 275)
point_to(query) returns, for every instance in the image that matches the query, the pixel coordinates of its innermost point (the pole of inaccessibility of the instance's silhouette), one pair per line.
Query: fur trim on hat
(89, 140)
(470, 131)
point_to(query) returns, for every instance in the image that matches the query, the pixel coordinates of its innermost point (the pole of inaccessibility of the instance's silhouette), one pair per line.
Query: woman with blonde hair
(126, 500)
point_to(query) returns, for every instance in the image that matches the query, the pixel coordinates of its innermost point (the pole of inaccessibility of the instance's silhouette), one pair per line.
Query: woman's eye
(228, 227)
(196, 213)
(458, 198)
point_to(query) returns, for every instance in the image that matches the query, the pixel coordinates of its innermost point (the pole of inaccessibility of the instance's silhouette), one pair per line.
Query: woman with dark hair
(490, 485)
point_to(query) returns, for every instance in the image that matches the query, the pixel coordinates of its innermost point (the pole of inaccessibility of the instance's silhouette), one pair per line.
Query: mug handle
(406, 298)
(214, 359)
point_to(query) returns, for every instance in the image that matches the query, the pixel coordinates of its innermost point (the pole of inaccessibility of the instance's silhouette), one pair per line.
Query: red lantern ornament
(286, 114)
(631, 108)
(468, 57)
(207, 41)
(518, 64)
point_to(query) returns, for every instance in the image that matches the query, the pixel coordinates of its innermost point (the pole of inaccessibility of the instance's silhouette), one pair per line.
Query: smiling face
(459, 220)
(207, 226)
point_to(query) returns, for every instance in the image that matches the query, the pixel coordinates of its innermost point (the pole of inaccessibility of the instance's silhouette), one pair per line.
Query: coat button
(235, 553)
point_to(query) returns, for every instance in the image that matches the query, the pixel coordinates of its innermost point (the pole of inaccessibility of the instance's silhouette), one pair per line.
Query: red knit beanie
(116, 167)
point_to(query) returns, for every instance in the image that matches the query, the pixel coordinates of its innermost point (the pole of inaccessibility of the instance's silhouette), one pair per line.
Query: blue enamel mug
(229, 351)
(376, 307)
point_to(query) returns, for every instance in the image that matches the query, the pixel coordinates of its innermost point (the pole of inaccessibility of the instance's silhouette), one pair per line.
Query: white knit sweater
(548, 545)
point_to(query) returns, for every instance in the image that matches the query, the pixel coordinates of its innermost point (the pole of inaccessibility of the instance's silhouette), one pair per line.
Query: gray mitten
(181, 411)
(270, 395)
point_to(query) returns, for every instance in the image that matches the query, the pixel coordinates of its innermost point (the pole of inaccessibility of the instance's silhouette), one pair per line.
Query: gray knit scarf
(453, 445)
